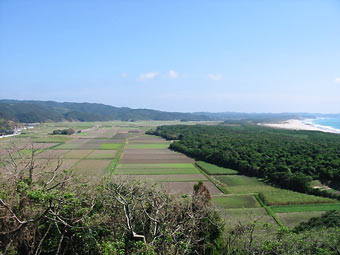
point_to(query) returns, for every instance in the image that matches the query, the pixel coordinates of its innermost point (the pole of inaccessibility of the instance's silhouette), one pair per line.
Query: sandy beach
(301, 125)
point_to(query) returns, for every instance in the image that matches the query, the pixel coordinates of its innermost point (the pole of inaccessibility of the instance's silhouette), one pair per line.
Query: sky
(187, 56)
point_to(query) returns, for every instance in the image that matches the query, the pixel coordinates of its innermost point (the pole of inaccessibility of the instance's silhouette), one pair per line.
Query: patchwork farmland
(123, 150)
(148, 158)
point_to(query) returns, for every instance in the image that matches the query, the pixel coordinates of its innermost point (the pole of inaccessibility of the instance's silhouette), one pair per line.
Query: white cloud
(337, 80)
(215, 77)
(147, 76)
(123, 75)
(173, 74)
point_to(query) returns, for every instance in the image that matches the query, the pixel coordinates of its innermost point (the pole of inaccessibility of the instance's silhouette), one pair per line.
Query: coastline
(306, 124)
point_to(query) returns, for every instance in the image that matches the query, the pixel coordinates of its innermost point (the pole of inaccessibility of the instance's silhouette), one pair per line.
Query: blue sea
(333, 123)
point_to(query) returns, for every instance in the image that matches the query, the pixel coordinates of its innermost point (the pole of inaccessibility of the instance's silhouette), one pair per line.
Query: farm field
(148, 146)
(102, 154)
(91, 167)
(235, 201)
(123, 150)
(148, 158)
(295, 218)
(306, 208)
(156, 171)
(170, 177)
(235, 217)
(240, 184)
(213, 169)
(288, 197)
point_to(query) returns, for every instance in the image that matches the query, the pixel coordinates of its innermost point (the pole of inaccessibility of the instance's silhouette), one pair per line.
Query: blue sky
(245, 56)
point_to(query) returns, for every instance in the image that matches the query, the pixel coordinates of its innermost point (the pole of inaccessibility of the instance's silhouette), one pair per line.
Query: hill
(45, 111)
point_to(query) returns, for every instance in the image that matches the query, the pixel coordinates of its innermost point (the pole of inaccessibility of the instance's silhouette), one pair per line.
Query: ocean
(334, 122)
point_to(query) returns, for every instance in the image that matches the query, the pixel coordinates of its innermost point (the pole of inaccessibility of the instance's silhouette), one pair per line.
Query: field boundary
(268, 210)
(211, 179)
(113, 166)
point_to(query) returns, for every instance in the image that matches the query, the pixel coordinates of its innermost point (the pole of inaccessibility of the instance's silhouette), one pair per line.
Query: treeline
(67, 131)
(289, 159)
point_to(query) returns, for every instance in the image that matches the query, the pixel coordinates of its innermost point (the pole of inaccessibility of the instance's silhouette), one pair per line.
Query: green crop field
(148, 146)
(288, 197)
(170, 178)
(52, 139)
(306, 208)
(157, 171)
(236, 201)
(111, 146)
(214, 170)
(68, 146)
(240, 184)
(147, 166)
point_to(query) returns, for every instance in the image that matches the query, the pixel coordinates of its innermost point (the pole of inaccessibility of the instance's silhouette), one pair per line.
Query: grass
(171, 178)
(213, 169)
(240, 184)
(237, 201)
(157, 171)
(111, 146)
(288, 197)
(148, 146)
(148, 166)
(306, 208)
(82, 134)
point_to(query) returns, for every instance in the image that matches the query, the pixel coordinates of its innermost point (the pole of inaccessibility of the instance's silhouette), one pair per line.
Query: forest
(286, 158)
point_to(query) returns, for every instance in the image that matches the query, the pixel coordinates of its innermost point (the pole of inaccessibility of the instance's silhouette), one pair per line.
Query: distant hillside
(28, 111)
(44, 111)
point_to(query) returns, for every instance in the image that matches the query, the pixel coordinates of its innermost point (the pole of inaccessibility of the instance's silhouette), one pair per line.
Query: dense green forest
(289, 159)
(44, 111)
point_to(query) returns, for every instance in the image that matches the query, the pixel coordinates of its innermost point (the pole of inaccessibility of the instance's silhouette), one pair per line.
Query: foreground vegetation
(53, 212)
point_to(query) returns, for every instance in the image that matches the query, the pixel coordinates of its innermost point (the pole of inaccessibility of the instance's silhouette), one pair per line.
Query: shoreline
(306, 124)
